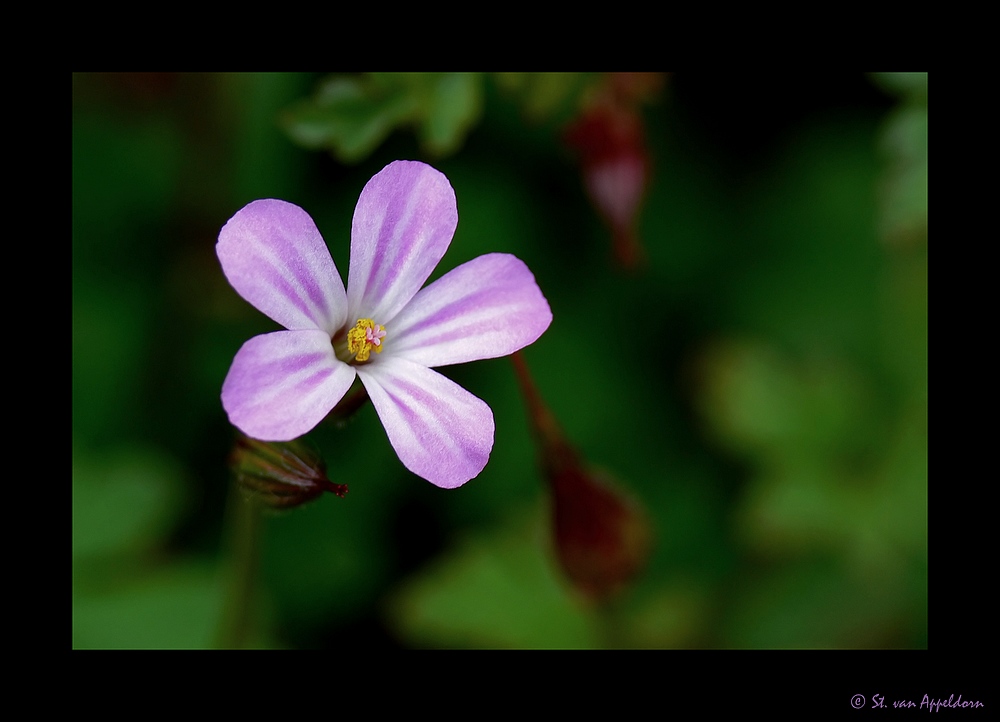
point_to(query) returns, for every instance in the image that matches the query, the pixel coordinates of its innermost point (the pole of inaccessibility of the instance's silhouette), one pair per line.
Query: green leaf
(904, 187)
(497, 590)
(351, 116)
(546, 96)
(454, 106)
(175, 608)
(124, 502)
(817, 604)
(761, 402)
(905, 85)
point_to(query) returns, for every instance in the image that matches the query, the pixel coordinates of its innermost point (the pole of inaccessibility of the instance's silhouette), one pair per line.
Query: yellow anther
(365, 337)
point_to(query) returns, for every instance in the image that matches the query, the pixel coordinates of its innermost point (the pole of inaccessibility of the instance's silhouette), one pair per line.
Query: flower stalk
(602, 536)
(348, 406)
(245, 524)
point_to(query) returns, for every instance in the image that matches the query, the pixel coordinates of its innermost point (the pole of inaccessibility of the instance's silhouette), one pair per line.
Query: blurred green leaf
(348, 115)
(453, 106)
(353, 115)
(124, 502)
(904, 186)
(673, 616)
(906, 85)
(833, 472)
(495, 590)
(759, 402)
(816, 603)
(124, 595)
(546, 96)
(177, 607)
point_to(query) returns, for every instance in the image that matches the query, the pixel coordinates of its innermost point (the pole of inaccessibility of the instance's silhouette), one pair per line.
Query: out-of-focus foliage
(124, 595)
(497, 590)
(903, 202)
(758, 385)
(547, 97)
(352, 115)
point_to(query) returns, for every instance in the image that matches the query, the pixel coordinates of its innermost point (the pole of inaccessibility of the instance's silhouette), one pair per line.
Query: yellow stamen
(365, 337)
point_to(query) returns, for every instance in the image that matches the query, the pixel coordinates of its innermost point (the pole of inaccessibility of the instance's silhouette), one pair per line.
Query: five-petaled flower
(384, 328)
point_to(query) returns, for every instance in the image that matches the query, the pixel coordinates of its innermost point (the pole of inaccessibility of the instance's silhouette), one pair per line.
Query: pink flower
(383, 328)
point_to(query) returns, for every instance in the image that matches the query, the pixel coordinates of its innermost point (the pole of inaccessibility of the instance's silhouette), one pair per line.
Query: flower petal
(439, 430)
(274, 256)
(282, 384)
(488, 307)
(403, 224)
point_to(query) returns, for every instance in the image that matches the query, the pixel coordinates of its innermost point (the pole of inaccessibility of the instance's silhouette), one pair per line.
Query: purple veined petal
(488, 307)
(274, 256)
(439, 430)
(282, 384)
(403, 224)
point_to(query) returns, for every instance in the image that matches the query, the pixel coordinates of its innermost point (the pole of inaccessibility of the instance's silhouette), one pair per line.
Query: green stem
(346, 408)
(244, 525)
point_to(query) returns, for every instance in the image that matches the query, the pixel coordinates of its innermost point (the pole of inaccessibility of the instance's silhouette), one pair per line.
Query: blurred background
(720, 441)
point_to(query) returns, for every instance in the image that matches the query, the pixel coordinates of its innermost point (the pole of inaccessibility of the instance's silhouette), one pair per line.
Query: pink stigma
(374, 335)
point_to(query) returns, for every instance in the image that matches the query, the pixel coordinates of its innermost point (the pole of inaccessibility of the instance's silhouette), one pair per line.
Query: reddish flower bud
(281, 474)
(602, 536)
(609, 137)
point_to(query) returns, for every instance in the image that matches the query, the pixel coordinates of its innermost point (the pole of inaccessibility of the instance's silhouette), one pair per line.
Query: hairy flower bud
(281, 474)
(602, 536)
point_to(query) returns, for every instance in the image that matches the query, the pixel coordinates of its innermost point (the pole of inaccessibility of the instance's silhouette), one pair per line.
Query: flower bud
(609, 137)
(602, 536)
(281, 474)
